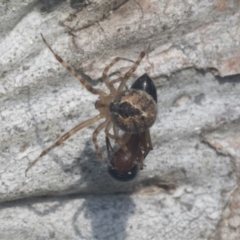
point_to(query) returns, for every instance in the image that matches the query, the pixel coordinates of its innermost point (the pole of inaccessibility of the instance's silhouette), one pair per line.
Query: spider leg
(64, 137)
(115, 81)
(115, 130)
(106, 69)
(124, 138)
(94, 139)
(114, 136)
(108, 143)
(128, 74)
(117, 138)
(73, 72)
(109, 146)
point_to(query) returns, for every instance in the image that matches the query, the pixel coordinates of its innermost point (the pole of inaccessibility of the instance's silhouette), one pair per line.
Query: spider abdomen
(133, 111)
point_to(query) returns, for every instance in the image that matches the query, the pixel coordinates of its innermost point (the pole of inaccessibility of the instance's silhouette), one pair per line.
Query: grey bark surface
(189, 188)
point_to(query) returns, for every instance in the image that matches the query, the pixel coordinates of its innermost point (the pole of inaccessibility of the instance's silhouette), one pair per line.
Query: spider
(123, 168)
(120, 108)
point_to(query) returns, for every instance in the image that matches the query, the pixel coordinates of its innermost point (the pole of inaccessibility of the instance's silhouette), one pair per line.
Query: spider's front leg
(127, 75)
(105, 73)
(73, 72)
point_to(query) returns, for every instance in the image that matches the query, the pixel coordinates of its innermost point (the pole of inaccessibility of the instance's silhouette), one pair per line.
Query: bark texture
(189, 188)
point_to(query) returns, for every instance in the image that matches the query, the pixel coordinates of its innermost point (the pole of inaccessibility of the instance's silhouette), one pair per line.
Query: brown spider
(122, 167)
(111, 107)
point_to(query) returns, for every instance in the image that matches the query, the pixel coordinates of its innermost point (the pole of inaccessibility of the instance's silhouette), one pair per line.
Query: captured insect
(121, 108)
(122, 167)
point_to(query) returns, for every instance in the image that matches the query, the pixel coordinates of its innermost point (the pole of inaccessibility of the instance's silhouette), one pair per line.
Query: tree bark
(189, 187)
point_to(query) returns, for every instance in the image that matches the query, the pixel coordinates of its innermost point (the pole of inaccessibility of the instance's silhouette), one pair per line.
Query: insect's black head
(145, 83)
(123, 176)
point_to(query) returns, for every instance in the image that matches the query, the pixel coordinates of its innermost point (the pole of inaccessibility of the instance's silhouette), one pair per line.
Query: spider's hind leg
(64, 138)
